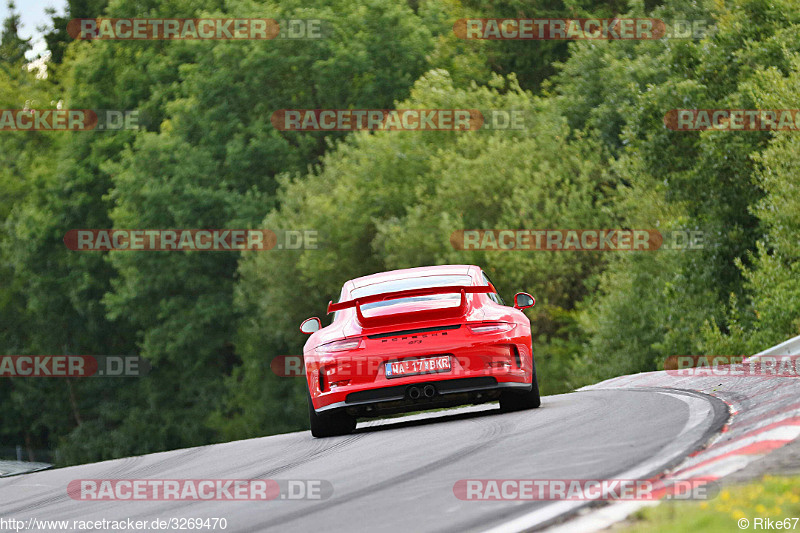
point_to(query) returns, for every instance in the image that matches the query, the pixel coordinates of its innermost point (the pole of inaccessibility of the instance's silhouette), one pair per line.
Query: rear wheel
(512, 400)
(329, 424)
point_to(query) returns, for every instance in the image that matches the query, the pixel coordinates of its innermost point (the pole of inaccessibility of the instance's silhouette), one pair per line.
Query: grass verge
(774, 498)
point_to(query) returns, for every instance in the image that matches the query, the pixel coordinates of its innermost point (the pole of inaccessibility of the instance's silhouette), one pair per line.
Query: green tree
(679, 181)
(772, 310)
(57, 38)
(12, 47)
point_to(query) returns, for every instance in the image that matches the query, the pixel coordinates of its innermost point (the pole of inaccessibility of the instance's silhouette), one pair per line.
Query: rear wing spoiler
(411, 293)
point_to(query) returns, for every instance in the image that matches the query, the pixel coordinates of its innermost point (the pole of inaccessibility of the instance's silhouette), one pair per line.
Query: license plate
(410, 367)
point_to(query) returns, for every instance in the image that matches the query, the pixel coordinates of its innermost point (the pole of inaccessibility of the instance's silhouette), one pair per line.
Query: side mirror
(523, 300)
(310, 325)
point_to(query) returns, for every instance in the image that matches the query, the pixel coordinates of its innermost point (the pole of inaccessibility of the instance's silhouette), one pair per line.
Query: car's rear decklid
(416, 315)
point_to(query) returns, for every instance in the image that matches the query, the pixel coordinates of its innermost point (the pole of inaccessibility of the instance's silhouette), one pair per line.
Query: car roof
(406, 273)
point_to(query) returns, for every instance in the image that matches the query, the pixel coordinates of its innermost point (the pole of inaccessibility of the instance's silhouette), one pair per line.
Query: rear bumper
(448, 393)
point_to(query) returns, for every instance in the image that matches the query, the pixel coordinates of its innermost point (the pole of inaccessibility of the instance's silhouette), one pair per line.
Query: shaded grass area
(774, 498)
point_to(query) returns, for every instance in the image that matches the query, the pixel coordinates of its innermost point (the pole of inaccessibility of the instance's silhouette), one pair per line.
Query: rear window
(411, 283)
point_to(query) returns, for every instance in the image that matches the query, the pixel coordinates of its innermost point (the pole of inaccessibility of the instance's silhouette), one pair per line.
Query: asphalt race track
(398, 474)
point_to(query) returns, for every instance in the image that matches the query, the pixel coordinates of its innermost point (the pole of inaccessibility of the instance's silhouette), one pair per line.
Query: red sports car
(414, 339)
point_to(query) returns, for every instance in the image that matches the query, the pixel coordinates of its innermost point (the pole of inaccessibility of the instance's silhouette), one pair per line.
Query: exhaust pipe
(413, 393)
(429, 391)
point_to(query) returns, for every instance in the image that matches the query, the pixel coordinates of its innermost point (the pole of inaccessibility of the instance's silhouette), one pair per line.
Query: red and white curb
(701, 412)
(764, 417)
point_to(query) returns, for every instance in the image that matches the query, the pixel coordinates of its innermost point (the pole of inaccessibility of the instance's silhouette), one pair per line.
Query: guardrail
(790, 347)
(13, 468)
(765, 415)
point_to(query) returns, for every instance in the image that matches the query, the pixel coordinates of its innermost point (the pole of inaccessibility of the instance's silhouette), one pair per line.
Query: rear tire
(512, 400)
(329, 424)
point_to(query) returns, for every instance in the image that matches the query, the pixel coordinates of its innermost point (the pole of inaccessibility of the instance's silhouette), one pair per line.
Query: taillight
(340, 345)
(490, 327)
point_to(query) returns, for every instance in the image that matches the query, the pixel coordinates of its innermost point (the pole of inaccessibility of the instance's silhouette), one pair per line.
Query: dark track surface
(398, 474)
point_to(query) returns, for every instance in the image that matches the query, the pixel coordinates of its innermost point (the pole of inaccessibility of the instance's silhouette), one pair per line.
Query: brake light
(490, 327)
(340, 345)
